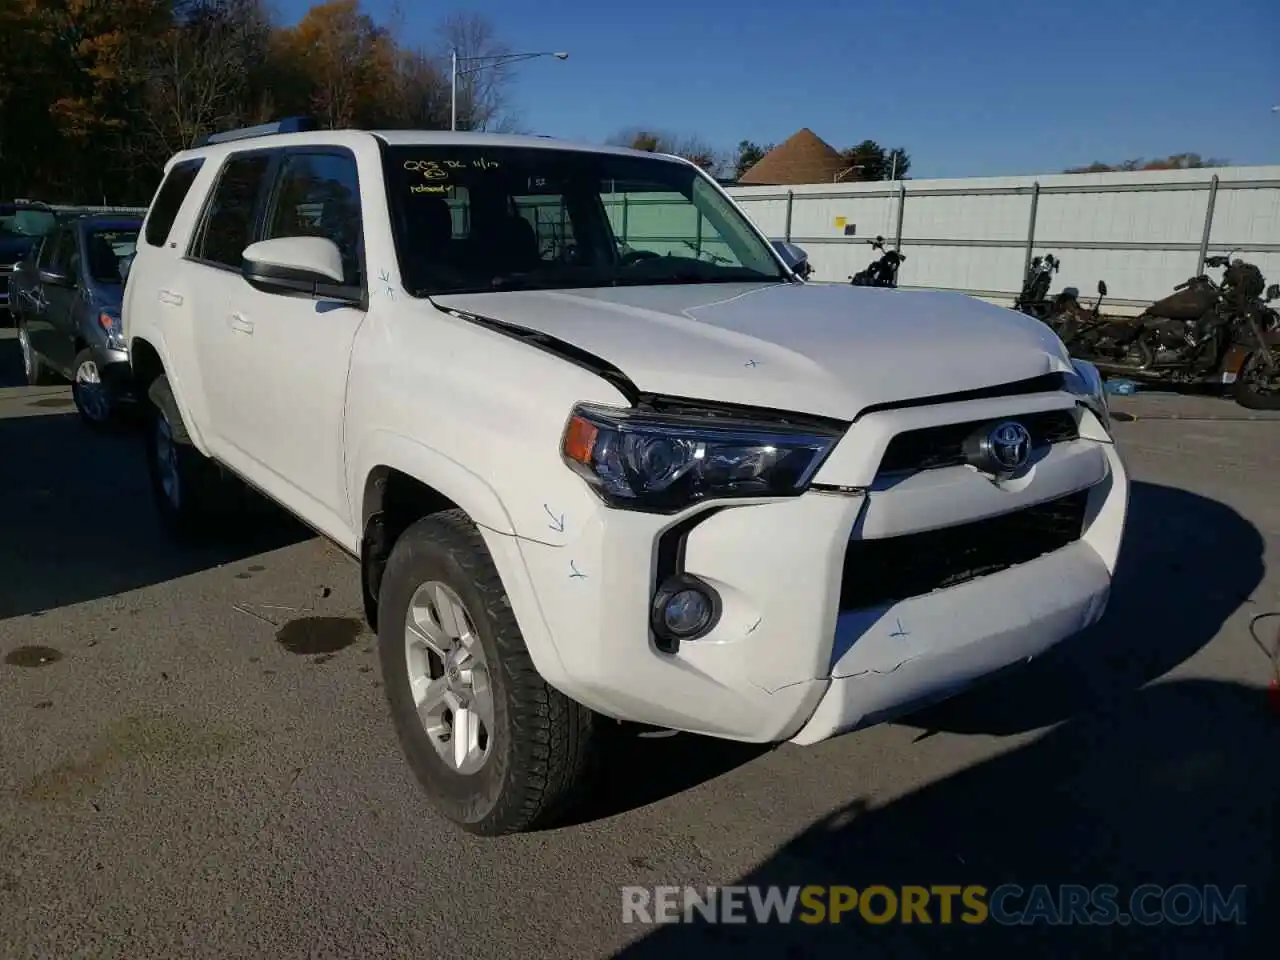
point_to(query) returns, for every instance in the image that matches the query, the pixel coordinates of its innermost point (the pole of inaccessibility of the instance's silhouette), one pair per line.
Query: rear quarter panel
(159, 272)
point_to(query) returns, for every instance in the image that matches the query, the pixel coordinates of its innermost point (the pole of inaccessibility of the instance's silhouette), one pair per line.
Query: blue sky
(970, 87)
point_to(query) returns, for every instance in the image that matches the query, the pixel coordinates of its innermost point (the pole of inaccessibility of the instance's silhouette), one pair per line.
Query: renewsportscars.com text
(1008, 904)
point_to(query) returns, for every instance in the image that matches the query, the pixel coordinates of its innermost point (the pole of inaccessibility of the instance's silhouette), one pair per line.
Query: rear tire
(187, 487)
(1246, 390)
(537, 754)
(37, 372)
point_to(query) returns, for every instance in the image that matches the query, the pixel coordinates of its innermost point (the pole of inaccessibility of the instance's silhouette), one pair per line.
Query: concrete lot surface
(201, 763)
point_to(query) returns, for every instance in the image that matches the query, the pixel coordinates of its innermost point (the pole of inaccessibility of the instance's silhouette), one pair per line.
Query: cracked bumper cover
(784, 663)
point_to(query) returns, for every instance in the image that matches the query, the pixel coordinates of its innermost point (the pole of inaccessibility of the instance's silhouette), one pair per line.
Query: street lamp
(480, 63)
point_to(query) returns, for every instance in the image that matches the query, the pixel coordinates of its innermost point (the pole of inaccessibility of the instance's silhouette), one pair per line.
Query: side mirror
(794, 257)
(1102, 288)
(1273, 292)
(56, 278)
(294, 265)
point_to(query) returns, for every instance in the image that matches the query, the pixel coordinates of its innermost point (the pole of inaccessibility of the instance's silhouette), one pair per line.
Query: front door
(294, 351)
(302, 347)
(50, 314)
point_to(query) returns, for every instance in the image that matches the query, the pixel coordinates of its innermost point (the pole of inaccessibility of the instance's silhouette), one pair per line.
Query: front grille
(878, 572)
(929, 448)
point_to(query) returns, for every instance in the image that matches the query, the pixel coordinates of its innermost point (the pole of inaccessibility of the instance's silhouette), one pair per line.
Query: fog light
(685, 608)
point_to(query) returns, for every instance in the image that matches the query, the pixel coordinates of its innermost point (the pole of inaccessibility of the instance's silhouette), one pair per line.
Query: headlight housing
(109, 321)
(1086, 383)
(661, 463)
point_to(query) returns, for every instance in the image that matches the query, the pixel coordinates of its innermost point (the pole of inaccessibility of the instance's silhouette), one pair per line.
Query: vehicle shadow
(79, 523)
(1175, 784)
(11, 374)
(1187, 563)
(639, 766)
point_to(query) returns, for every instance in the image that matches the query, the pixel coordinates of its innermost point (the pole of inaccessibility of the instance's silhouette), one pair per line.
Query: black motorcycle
(1033, 298)
(1204, 332)
(881, 272)
(1069, 318)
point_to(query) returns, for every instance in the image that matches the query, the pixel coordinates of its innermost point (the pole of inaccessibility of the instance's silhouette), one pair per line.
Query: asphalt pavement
(196, 759)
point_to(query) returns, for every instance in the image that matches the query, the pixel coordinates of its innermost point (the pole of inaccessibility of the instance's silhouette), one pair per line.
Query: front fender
(447, 476)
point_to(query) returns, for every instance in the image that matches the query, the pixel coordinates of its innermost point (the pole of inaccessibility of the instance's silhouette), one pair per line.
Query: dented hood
(825, 349)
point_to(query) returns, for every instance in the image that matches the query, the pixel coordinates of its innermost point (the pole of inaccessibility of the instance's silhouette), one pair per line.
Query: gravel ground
(201, 763)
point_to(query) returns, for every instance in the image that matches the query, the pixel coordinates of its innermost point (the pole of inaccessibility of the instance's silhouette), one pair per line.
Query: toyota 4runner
(601, 454)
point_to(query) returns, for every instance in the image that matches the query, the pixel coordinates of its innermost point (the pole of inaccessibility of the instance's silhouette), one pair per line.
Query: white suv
(601, 455)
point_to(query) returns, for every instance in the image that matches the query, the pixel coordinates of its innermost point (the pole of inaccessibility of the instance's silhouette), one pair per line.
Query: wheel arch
(399, 482)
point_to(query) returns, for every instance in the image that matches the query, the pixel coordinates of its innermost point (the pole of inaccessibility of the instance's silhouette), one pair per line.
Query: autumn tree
(95, 95)
(345, 57)
(1176, 161)
(77, 64)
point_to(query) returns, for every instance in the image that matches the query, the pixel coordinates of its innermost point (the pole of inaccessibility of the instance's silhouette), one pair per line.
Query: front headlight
(109, 321)
(662, 463)
(1086, 383)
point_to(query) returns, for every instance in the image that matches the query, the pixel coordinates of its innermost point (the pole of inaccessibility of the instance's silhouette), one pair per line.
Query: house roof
(804, 157)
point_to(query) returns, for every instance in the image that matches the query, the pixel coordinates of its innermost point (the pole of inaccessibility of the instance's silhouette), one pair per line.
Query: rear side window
(168, 200)
(227, 227)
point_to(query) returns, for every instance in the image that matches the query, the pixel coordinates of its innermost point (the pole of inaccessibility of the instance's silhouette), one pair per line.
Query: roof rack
(287, 125)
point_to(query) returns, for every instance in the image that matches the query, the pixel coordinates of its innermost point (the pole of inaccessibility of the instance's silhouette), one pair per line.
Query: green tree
(870, 161)
(749, 154)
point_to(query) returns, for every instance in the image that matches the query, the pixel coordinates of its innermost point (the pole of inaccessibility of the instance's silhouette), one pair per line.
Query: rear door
(222, 338)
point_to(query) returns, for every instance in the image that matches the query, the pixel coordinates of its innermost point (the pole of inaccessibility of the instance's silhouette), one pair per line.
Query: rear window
(229, 217)
(168, 201)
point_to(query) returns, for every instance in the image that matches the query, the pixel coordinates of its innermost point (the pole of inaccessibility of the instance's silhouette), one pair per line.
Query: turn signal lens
(580, 440)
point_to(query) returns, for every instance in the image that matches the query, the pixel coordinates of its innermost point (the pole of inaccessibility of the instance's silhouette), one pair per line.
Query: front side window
(318, 195)
(55, 255)
(472, 219)
(229, 219)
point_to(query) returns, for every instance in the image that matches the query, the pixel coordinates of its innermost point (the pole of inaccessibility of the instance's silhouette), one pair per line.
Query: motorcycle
(881, 272)
(1204, 332)
(1033, 297)
(1069, 319)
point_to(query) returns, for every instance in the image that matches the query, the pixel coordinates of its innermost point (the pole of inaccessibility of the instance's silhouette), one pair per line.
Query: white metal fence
(1140, 232)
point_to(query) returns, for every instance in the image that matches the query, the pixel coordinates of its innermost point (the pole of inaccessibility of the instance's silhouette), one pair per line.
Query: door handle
(240, 324)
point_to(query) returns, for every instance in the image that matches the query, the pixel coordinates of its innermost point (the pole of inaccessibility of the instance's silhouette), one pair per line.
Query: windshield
(27, 223)
(471, 219)
(107, 251)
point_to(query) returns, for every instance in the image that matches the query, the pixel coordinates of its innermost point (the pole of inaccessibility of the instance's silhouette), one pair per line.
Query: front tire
(455, 666)
(1256, 388)
(93, 398)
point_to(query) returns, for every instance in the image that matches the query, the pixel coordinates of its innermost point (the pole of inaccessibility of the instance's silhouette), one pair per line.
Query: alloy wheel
(91, 392)
(449, 677)
(166, 454)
